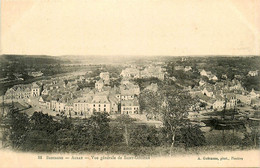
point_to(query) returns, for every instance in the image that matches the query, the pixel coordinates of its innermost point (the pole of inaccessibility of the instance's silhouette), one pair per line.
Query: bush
(191, 136)
(251, 139)
(144, 135)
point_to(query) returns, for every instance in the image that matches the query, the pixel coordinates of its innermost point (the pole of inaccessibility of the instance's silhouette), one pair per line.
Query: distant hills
(32, 59)
(94, 59)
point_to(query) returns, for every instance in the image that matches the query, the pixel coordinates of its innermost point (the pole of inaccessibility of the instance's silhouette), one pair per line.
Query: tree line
(41, 132)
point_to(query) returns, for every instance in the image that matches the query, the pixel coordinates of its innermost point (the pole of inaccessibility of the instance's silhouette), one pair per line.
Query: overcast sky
(130, 27)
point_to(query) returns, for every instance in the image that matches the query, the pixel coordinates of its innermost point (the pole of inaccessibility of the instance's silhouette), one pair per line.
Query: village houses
(209, 75)
(105, 77)
(23, 91)
(253, 73)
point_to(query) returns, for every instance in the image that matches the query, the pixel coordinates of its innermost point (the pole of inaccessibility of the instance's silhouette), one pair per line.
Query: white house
(45, 91)
(202, 82)
(100, 103)
(35, 90)
(231, 101)
(187, 68)
(244, 98)
(41, 101)
(53, 105)
(82, 105)
(254, 94)
(213, 77)
(253, 73)
(205, 73)
(105, 77)
(208, 91)
(130, 73)
(219, 104)
(130, 106)
(99, 85)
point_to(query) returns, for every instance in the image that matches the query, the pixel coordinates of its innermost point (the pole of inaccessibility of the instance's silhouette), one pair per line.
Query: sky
(130, 27)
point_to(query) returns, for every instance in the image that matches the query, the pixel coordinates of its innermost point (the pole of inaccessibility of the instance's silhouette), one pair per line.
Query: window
(104, 109)
(93, 105)
(104, 105)
(99, 105)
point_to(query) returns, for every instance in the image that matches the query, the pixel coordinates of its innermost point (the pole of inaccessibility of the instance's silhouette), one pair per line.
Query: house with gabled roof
(213, 77)
(130, 106)
(130, 88)
(244, 98)
(253, 73)
(100, 103)
(130, 73)
(202, 82)
(99, 85)
(205, 73)
(255, 102)
(208, 91)
(105, 77)
(114, 102)
(153, 71)
(35, 90)
(82, 105)
(127, 95)
(254, 94)
(41, 101)
(209, 75)
(231, 100)
(18, 92)
(116, 91)
(152, 87)
(219, 104)
(187, 68)
(179, 67)
(45, 91)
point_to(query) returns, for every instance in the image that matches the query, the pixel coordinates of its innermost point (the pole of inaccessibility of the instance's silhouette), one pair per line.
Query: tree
(191, 136)
(150, 102)
(175, 110)
(43, 122)
(125, 120)
(144, 135)
(144, 82)
(42, 135)
(252, 134)
(98, 129)
(17, 128)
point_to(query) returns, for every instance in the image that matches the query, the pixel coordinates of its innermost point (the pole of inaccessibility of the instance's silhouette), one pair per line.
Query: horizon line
(134, 56)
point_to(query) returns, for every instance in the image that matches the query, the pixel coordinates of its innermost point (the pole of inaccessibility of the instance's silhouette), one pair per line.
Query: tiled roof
(100, 99)
(112, 98)
(130, 102)
(127, 92)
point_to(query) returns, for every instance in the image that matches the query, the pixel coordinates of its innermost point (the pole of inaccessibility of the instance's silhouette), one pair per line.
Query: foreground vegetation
(99, 134)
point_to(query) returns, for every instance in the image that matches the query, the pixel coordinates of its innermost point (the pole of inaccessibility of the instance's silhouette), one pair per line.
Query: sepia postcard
(129, 83)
